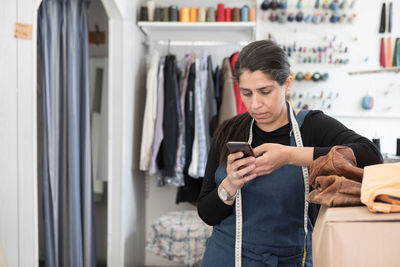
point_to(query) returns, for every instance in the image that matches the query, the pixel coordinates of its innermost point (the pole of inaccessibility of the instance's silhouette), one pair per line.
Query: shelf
(366, 116)
(239, 31)
(394, 69)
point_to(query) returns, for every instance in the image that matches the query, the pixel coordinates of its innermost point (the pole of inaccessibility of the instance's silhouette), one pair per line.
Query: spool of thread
(210, 14)
(307, 76)
(273, 16)
(235, 14)
(221, 12)
(193, 14)
(265, 5)
(151, 5)
(201, 14)
(299, 16)
(166, 14)
(396, 54)
(367, 102)
(299, 76)
(334, 5)
(398, 147)
(316, 76)
(325, 77)
(144, 15)
(158, 14)
(308, 19)
(244, 13)
(389, 53)
(252, 14)
(282, 18)
(377, 142)
(173, 13)
(184, 14)
(382, 59)
(317, 18)
(228, 14)
(290, 17)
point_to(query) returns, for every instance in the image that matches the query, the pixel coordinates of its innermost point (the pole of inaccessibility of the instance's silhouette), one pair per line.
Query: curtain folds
(67, 181)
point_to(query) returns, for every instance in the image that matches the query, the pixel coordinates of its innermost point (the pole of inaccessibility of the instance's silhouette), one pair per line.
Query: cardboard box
(355, 237)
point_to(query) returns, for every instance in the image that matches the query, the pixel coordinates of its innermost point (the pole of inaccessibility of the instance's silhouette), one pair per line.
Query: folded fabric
(339, 161)
(335, 191)
(380, 189)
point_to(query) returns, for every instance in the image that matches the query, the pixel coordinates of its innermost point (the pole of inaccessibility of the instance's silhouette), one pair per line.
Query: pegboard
(342, 92)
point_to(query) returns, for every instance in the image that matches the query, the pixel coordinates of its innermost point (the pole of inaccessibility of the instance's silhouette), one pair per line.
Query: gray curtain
(67, 171)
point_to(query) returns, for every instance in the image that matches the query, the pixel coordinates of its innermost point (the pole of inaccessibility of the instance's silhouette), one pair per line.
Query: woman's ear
(288, 85)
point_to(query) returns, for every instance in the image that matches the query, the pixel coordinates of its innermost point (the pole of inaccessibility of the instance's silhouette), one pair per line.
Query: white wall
(126, 183)
(18, 196)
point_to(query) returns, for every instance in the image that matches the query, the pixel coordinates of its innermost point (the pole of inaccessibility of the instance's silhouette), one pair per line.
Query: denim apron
(273, 221)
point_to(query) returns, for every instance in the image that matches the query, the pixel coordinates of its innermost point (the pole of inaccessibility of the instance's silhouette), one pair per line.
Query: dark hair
(264, 56)
(235, 129)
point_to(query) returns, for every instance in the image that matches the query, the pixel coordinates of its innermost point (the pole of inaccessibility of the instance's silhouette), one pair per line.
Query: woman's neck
(278, 123)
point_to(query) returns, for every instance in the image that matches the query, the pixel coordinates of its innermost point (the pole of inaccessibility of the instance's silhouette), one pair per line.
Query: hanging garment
(228, 104)
(191, 188)
(158, 130)
(217, 86)
(210, 103)
(166, 157)
(240, 107)
(150, 113)
(217, 82)
(190, 115)
(180, 154)
(380, 189)
(67, 173)
(199, 151)
(273, 221)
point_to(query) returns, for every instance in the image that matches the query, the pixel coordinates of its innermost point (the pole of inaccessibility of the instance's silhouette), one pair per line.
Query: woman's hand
(238, 170)
(273, 157)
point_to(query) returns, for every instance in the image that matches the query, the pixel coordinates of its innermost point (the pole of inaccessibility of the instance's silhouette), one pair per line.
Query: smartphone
(244, 147)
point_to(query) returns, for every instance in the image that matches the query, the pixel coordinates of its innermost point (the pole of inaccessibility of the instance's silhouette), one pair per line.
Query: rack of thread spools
(387, 57)
(308, 11)
(311, 62)
(154, 12)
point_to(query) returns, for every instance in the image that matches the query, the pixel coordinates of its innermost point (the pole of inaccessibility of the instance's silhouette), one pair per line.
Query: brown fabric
(336, 179)
(339, 161)
(336, 191)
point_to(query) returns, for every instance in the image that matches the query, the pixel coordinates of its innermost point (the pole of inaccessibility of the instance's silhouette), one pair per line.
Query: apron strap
(299, 143)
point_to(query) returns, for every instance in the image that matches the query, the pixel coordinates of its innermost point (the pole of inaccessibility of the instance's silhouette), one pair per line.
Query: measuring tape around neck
(238, 200)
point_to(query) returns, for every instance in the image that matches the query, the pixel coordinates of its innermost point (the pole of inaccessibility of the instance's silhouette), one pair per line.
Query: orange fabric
(239, 104)
(380, 189)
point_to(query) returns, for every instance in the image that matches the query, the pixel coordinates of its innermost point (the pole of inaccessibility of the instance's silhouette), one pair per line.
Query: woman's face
(264, 98)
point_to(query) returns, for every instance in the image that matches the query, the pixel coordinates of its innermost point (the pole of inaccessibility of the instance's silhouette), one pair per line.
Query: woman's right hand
(238, 169)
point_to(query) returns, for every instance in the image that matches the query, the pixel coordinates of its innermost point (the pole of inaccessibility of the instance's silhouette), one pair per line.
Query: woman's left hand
(273, 157)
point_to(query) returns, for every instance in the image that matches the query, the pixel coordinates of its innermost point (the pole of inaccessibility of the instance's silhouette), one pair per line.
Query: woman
(274, 227)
